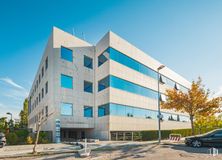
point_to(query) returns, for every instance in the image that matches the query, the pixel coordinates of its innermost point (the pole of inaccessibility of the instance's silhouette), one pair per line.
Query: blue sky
(185, 35)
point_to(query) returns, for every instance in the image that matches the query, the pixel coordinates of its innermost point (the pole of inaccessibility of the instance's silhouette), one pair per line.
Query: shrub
(22, 134)
(29, 140)
(11, 138)
(44, 137)
(153, 135)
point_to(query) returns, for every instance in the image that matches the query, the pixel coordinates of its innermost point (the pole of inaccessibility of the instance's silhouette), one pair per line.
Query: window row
(116, 82)
(66, 109)
(67, 82)
(67, 54)
(111, 81)
(40, 76)
(129, 111)
(39, 97)
(42, 113)
(111, 53)
(164, 80)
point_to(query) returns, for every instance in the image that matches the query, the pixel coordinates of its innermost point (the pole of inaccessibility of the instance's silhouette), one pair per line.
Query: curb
(39, 154)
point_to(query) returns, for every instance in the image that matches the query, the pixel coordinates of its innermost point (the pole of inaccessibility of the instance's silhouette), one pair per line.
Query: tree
(41, 120)
(39, 124)
(24, 115)
(207, 122)
(195, 102)
(3, 124)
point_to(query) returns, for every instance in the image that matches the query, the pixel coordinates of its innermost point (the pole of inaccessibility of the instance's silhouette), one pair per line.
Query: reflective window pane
(66, 54)
(103, 110)
(135, 65)
(66, 109)
(122, 84)
(88, 62)
(88, 87)
(66, 81)
(131, 111)
(103, 83)
(131, 63)
(103, 58)
(88, 111)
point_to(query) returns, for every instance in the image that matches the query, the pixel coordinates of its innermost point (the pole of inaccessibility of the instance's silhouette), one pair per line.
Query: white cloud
(17, 92)
(11, 82)
(12, 96)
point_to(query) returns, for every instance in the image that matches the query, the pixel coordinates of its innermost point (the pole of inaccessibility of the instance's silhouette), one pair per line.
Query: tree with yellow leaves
(195, 102)
(207, 123)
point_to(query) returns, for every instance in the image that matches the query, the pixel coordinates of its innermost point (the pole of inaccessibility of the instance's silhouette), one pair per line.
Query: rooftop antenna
(73, 32)
(83, 36)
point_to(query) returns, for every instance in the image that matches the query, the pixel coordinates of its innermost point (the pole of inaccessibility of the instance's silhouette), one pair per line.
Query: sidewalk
(26, 150)
(50, 149)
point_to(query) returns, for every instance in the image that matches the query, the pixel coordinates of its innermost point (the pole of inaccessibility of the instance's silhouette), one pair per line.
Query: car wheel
(196, 143)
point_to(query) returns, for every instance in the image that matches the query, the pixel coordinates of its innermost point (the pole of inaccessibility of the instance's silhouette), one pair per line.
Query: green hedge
(153, 135)
(20, 137)
(12, 138)
(44, 137)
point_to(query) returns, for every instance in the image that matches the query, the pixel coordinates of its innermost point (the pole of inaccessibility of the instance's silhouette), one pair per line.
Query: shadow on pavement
(61, 157)
(182, 147)
(128, 151)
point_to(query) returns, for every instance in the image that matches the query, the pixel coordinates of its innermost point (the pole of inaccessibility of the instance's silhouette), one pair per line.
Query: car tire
(196, 144)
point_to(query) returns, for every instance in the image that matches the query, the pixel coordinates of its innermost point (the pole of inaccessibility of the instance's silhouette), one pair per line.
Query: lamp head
(160, 67)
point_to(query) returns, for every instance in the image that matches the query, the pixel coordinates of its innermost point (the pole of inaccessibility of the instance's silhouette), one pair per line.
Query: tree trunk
(37, 138)
(192, 125)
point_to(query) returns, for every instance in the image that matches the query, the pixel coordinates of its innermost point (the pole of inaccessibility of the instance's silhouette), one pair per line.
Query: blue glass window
(103, 110)
(172, 84)
(88, 62)
(131, 111)
(66, 54)
(88, 87)
(131, 63)
(103, 58)
(66, 109)
(88, 111)
(66, 81)
(184, 119)
(103, 83)
(122, 84)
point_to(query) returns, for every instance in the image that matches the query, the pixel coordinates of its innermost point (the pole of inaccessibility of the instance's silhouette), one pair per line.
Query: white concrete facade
(95, 126)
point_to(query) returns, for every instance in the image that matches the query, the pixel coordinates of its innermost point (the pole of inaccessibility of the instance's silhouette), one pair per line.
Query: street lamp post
(9, 114)
(11, 125)
(159, 114)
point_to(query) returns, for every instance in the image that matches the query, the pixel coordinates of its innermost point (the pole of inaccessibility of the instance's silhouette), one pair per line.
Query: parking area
(136, 150)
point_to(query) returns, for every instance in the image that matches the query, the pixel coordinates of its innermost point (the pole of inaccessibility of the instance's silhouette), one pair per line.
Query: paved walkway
(24, 150)
(134, 150)
(49, 149)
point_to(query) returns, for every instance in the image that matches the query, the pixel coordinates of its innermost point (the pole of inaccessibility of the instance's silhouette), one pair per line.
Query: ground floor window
(125, 136)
